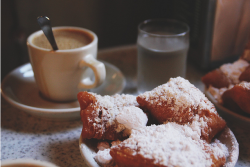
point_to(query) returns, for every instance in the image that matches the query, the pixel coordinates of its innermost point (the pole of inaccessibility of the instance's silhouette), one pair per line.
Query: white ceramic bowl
(88, 148)
(26, 163)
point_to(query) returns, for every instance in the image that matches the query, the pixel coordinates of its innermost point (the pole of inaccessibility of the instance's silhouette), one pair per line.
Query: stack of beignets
(167, 145)
(186, 124)
(227, 74)
(179, 101)
(221, 82)
(238, 97)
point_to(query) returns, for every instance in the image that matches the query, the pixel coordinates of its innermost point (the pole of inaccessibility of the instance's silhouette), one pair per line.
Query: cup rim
(165, 20)
(93, 42)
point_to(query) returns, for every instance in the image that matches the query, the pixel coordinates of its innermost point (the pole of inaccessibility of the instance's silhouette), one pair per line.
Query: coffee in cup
(61, 74)
(65, 39)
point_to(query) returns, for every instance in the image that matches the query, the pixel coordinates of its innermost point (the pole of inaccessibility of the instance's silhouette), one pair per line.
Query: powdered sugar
(218, 92)
(108, 107)
(219, 150)
(234, 70)
(132, 117)
(245, 85)
(180, 101)
(103, 157)
(197, 126)
(170, 145)
(179, 92)
(226, 142)
(103, 145)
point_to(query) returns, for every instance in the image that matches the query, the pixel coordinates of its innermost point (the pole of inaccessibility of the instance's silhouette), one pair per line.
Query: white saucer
(20, 90)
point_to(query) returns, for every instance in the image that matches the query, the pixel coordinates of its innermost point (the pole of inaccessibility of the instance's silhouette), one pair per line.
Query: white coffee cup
(61, 74)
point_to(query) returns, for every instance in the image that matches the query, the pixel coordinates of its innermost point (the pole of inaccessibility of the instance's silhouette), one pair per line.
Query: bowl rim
(225, 110)
(232, 159)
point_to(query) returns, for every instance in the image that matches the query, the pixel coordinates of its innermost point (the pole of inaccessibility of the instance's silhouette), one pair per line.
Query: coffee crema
(65, 39)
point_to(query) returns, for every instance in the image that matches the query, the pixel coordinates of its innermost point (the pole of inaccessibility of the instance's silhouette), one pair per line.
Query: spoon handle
(44, 23)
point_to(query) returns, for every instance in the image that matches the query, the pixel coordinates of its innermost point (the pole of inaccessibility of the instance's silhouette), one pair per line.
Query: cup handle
(98, 69)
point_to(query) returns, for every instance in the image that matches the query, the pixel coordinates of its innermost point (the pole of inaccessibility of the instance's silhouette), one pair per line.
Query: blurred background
(115, 23)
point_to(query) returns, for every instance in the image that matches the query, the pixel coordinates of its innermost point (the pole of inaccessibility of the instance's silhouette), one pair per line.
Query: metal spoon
(44, 23)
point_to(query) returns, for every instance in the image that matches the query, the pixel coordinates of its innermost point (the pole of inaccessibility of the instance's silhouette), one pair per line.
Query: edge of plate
(87, 152)
(225, 110)
(225, 134)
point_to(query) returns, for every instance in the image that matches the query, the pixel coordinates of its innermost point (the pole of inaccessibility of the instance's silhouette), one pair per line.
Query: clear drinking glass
(162, 47)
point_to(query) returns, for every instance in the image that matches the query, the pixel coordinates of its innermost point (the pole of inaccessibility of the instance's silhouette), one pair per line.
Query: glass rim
(164, 20)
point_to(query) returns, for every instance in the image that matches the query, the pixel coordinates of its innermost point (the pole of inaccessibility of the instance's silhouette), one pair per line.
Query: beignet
(216, 78)
(230, 73)
(181, 102)
(238, 97)
(245, 75)
(167, 145)
(98, 115)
